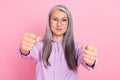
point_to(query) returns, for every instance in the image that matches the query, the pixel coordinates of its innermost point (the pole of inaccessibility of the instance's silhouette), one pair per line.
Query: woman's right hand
(28, 42)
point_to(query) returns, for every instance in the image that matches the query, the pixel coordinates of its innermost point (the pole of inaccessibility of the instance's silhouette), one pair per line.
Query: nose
(59, 24)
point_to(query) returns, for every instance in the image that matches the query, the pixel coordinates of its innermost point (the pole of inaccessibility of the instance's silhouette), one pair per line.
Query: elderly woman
(57, 55)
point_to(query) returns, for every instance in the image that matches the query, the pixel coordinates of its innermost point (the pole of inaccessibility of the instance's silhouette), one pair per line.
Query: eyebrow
(57, 17)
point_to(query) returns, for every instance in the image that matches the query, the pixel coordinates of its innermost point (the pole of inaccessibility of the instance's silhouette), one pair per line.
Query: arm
(28, 45)
(89, 55)
(28, 42)
(90, 68)
(86, 57)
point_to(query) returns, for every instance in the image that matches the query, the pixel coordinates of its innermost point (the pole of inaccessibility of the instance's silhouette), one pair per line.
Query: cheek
(65, 28)
(52, 26)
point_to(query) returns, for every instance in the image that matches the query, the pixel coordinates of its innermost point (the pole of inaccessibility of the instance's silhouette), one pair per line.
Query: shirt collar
(57, 42)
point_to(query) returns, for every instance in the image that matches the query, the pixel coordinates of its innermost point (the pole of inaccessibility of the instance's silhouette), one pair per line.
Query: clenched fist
(28, 42)
(89, 54)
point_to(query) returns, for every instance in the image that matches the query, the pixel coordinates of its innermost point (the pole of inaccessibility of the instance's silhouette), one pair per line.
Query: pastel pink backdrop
(96, 23)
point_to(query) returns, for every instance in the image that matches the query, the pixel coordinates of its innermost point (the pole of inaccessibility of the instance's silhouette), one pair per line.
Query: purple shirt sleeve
(34, 53)
(80, 58)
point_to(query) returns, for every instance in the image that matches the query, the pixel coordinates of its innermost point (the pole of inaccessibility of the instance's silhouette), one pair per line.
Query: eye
(64, 19)
(54, 19)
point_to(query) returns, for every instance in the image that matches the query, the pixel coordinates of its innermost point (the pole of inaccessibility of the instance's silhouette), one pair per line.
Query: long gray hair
(68, 41)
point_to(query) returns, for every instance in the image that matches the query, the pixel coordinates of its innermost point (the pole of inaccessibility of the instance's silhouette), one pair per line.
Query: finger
(27, 44)
(90, 52)
(29, 40)
(90, 57)
(25, 48)
(31, 35)
(89, 62)
(91, 48)
(83, 48)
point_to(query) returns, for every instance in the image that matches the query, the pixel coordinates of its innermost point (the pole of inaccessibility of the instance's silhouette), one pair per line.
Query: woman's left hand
(89, 55)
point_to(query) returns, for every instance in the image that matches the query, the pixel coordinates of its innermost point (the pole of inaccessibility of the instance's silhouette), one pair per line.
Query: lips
(58, 29)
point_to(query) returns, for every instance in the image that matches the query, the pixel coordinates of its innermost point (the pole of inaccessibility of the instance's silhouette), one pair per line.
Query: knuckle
(32, 40)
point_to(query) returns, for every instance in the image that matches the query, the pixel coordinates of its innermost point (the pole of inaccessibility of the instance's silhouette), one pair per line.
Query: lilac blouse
(58, 69)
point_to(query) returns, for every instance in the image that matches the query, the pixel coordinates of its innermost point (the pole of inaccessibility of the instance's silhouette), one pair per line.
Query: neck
(57, 38)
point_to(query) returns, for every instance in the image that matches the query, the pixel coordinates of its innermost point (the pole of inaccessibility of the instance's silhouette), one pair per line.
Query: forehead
(58, 13)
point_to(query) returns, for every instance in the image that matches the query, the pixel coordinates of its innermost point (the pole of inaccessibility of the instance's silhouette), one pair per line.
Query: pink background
(96, 22)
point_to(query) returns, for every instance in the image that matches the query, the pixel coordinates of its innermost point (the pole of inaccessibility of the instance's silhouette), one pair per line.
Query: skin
(58, 25)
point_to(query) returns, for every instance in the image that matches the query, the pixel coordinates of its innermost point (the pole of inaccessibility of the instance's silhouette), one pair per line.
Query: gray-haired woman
(57, 55)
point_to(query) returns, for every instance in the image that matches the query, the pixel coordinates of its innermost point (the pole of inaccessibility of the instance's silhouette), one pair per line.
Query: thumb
(38, 38)
(84, 48)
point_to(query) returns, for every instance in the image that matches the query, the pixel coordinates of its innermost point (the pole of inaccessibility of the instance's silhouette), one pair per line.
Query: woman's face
(58, 23)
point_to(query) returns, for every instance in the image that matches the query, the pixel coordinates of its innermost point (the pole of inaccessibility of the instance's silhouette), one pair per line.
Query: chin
(59, 34)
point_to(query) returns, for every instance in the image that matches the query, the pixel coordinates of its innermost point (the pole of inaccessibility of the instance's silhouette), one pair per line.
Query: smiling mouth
(58, 29)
